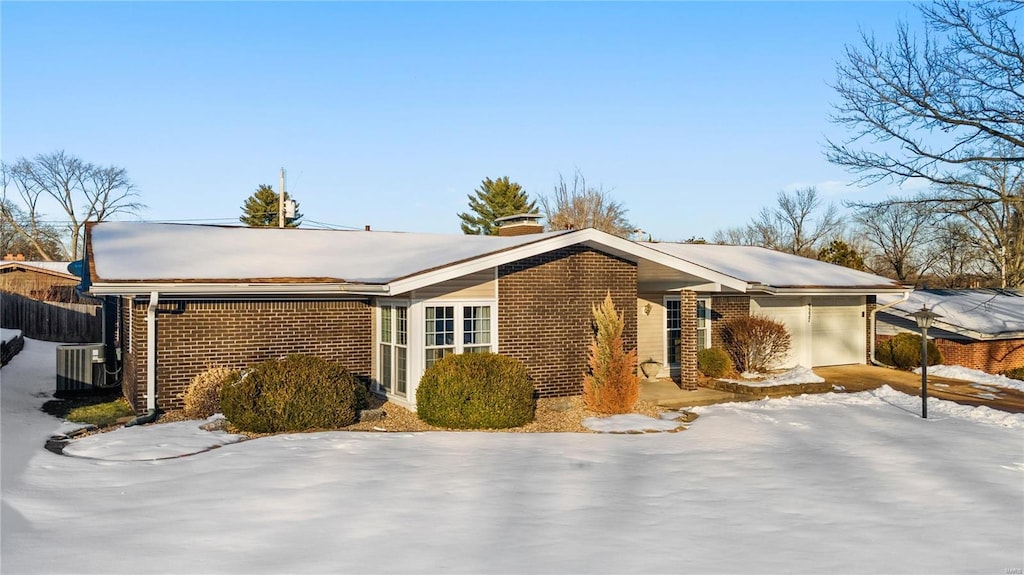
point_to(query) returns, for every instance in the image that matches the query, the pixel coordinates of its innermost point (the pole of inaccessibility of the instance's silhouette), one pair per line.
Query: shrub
(612, 385)
(296, 393)
(1016, 373)
(475, 391)
(904, 351)
(714, 362)
(202, 397)
(755, 343)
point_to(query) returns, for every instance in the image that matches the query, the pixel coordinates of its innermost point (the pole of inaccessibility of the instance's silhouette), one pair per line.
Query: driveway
(863, 377)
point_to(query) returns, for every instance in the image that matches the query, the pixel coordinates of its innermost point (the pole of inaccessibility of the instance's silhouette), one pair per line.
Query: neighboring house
(387, 305)
(38, 280)
(978, 328)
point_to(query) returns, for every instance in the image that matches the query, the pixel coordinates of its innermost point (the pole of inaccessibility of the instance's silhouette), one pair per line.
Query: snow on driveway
(836, 483)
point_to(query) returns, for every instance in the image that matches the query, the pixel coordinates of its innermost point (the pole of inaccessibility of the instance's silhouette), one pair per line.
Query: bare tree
(85, 192)
(898, 233)
(738, 236)
(798, 224)
(22, 225)
(925, 109)
(958, 258)
(577, 206)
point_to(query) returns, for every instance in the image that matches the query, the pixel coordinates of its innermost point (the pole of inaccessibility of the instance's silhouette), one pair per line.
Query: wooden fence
(52, 321)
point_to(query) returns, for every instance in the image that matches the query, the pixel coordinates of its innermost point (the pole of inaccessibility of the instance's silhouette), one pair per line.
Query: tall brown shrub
(202, 397)
(612, 385)
(756, 342)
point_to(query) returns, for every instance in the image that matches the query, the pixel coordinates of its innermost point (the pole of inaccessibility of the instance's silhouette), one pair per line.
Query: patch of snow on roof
(59, 267)
(769, 267)
(129, 251)
(983, 311)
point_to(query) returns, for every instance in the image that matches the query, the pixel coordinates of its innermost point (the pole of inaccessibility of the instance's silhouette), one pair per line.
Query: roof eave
(240, 289)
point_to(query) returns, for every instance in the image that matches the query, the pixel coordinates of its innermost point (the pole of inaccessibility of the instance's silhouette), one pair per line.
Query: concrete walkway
(849, 378)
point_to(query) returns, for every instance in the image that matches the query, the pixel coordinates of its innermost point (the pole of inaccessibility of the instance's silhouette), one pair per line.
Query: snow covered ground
(796, 375)
(980, 378)
(840, 483)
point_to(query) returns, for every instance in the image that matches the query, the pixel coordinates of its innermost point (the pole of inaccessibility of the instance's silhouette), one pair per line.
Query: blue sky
(694, 115)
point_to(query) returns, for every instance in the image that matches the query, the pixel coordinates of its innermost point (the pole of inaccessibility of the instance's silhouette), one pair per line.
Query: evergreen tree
(494, 199)
(612, 385)
(260, 209)
(842, 254)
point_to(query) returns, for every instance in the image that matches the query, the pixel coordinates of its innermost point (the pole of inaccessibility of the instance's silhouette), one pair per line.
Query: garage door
(837, 330)
(791, 312)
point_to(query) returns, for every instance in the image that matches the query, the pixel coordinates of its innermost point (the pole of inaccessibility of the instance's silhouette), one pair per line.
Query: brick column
(687, 340)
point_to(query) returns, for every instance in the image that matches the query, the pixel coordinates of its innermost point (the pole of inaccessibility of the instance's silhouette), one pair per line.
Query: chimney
(9, 257)
(20, 257)
(519, 225)
(366, 228)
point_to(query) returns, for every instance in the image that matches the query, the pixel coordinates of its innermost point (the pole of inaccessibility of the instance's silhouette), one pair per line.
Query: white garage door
(837, 330)
(791, 312)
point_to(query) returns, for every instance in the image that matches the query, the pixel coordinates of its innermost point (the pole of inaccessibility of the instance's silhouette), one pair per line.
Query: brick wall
(687, 340)
(544, 312)
(723, 309)
(238, 334)
(988, 356)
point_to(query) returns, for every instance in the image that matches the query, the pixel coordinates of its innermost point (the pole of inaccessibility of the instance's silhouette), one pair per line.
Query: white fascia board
(102, 289)
(832, 291)
(590, 237)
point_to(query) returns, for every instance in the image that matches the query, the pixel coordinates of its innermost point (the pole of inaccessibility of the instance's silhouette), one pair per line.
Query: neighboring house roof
(972, 313)
(51, 268)
(775, 271)
(129, 257)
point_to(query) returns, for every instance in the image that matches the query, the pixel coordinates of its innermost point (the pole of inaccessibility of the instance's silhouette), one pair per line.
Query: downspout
(154, 300)
(874, 326)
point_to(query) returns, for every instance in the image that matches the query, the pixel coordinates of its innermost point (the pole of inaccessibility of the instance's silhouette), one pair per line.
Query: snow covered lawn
(840, 483)
(982, 380)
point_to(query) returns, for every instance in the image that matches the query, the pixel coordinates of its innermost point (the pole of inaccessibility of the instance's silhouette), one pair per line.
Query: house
(978, 328)
(49, 281)
(387, 305)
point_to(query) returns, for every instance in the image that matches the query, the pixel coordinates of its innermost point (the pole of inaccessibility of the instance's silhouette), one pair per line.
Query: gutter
(154, 301)
(874, 314)
(237, 289)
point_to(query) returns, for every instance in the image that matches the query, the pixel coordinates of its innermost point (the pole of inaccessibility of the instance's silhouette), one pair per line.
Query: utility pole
(280, 203)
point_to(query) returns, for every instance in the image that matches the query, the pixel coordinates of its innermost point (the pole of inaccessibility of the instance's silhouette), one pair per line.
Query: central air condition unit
(80, 367)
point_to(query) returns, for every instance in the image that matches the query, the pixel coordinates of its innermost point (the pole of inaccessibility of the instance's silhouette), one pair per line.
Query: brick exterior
(544, 312)
(723, 309)
(988, 356)
(238, 334)
(687, 340)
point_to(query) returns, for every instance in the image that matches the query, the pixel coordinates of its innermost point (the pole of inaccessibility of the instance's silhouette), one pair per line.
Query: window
(440, 332)
(456, 329)
(703, 324)
(394, 349)
(672, 331)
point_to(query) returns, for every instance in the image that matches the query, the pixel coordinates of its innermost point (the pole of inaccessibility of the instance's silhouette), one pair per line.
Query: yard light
(924, 318)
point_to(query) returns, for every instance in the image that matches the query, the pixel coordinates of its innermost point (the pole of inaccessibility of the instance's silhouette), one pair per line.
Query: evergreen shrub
(714, 362)
(1016, 373)
(295, 393)
(475, 391)
(611, 386)
(904, 351)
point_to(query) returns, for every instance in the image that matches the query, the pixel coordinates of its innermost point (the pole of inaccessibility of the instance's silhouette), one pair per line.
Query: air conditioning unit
(80, 367)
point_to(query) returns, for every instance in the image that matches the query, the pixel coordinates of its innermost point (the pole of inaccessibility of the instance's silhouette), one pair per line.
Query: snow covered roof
(132, 252)
(52, 267)
(975, 313)
(774, 269)
(131, 257)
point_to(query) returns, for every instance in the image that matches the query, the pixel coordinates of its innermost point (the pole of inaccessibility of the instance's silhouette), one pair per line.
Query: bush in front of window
(202, 397)
(714, 362)
(611, 386)
(295, 393)
(904, 351)
(756, 342)
(475, 391)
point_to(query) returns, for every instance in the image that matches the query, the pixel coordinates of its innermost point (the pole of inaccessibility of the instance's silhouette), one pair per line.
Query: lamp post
(924, 318)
